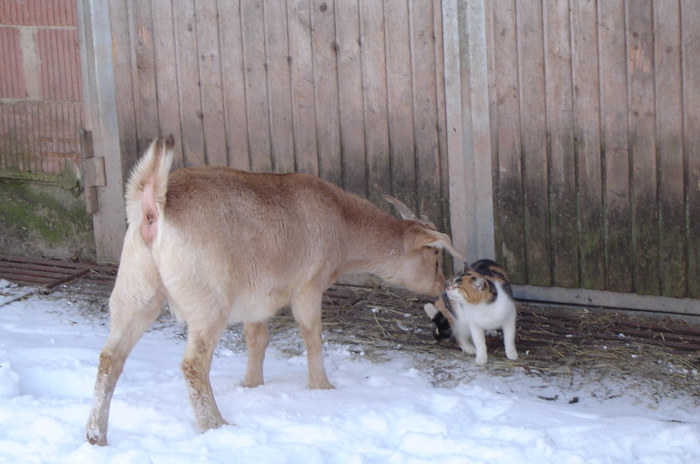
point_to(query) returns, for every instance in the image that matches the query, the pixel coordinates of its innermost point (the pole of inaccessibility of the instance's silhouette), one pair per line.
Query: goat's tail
(147, 186)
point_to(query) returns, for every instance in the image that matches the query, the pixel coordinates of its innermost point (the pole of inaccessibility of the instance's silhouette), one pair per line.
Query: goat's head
(421, 266)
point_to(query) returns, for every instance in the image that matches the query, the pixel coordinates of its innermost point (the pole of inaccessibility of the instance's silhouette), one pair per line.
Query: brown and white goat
(224, 246)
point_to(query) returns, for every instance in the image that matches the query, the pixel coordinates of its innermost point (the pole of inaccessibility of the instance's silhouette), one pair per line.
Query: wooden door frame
(97, 68)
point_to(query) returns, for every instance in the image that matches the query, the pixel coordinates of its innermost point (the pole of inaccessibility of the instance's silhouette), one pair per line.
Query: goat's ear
(419, 237)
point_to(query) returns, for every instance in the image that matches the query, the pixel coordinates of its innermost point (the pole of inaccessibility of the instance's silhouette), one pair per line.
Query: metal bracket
(93, 171)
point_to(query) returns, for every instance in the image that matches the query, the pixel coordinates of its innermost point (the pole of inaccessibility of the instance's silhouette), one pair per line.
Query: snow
(383, 412)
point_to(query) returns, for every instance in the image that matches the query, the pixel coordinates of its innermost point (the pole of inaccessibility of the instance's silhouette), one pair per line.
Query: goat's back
(256, 236)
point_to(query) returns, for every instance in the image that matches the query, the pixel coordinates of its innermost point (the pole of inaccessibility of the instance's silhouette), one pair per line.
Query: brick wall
(40, 87)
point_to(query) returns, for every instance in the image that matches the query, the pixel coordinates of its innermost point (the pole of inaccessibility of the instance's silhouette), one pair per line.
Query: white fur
(472, 320)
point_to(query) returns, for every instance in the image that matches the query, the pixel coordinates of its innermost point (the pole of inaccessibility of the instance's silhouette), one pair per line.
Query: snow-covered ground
(389, 412)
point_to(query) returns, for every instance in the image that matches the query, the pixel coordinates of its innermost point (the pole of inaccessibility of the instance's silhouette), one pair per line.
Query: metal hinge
(93, 171)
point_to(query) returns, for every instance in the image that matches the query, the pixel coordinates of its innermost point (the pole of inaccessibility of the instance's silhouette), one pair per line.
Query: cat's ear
(479, 283)
(467, 267)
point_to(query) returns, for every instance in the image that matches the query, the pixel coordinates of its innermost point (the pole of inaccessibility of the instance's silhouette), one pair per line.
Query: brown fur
(225, 246)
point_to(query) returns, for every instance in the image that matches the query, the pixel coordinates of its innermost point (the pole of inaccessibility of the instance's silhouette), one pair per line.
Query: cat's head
(471, 288)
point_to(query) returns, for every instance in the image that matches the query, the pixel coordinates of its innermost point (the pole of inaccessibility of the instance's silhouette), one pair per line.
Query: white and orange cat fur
(477, 299)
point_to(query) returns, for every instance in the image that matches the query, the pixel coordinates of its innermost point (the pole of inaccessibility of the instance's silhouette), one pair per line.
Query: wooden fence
(595, 129)
(349, 90)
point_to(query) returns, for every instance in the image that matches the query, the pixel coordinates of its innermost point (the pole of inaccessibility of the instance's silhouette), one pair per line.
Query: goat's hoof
(96, 439)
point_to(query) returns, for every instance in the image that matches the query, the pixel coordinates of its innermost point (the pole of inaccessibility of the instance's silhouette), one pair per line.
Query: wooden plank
(477, 113)
(586, 99)
(233, 81)
(690, 37)
(302, 75)
(166, 75)
(400, 96)
(560, 129)
(350, 96)
(640, 69)
(123, 87)
(533, 127)
(458, 122)
(375, 98)
(669, 127)
(615, 145)
(211, 90)
(144, 75)
(257, 103)
(327, 100)
(280, 97)
(425, 109)
(188, 78)
(510, 248)
(442, 190)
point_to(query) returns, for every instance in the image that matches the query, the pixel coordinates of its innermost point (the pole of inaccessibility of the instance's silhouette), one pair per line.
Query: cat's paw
(512, 355)
(467, 347)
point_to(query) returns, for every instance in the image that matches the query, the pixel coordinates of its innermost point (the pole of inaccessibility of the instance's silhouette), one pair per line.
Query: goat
(224, 246)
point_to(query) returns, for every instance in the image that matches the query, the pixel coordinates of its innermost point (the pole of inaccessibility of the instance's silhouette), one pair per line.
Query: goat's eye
(436, 252)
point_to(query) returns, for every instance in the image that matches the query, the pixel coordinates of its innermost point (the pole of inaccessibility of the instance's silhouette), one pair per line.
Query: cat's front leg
(509, 339)
(479, 339)
(466, 346)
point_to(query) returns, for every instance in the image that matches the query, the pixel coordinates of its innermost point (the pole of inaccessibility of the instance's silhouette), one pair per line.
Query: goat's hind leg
(256, 336)
(134, 304)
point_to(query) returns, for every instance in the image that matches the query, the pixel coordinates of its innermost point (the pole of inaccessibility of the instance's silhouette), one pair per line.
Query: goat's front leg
(256, 337)
(306, 308)
(196, 365)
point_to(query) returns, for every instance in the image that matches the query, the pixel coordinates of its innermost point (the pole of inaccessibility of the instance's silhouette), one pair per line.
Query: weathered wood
(533, 128)
(280, 97)
(399, 91)
(302, 77)
(669, 129)
(210, 85)
(122, 46)
(587, 144)
(560, 145)
(690, 18)
(375, 98)
(325, 54)
(640, 69)
(425, 108)
(143, 75)
(352, 133)
(255, 72)
(509, 200)
(233, 81)
(442, 188)
(615, 145)
(166, 67)
(188, 78)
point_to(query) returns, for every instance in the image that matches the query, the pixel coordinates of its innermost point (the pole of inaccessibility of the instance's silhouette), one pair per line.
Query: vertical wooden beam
(533, 129)
(642, 129)
(615, 145)
(690, 56)
(468, 128)
(101, 118)
(669, 129)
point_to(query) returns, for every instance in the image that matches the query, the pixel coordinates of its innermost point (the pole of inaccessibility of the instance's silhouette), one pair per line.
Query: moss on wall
(45, 219)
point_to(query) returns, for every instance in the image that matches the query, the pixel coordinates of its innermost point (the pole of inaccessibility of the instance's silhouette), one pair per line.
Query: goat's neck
(372, 244)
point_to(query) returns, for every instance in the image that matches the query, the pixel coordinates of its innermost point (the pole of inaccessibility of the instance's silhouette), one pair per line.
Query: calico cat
(478, 299)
